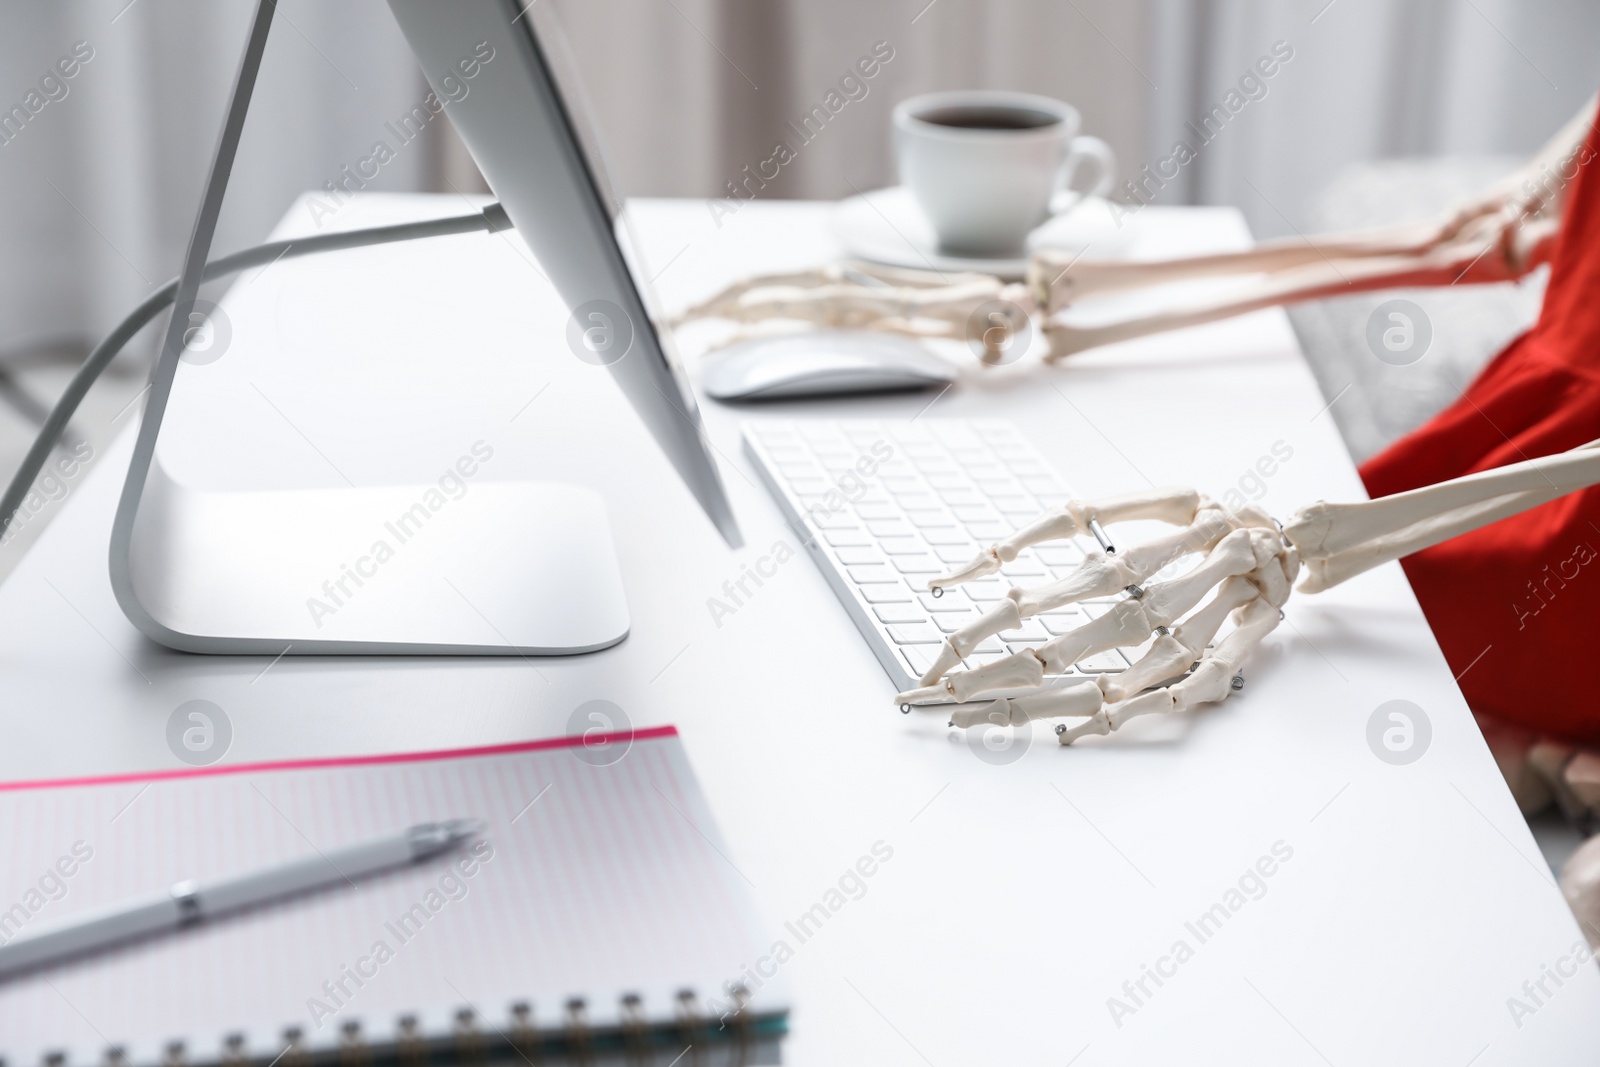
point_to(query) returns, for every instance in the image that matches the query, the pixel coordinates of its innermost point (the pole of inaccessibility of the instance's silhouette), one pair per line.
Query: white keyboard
(884, 506)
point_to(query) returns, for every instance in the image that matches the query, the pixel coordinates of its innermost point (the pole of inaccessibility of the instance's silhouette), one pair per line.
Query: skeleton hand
(864, 296)
(1247, 564)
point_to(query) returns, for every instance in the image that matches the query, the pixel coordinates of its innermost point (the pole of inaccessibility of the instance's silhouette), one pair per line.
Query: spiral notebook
(598, 919)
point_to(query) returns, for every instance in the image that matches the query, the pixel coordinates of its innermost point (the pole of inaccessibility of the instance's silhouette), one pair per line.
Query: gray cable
(490, 220)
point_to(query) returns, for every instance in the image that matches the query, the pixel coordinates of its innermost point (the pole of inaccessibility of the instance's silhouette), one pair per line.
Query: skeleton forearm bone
(1500, 235)
(1339, 541)
(1487, 258)
(1536, 190)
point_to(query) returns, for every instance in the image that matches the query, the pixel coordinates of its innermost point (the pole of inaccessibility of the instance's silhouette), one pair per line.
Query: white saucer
(886, 226)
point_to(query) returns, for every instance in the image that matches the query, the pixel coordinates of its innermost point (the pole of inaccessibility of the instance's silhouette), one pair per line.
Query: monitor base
(499, 569)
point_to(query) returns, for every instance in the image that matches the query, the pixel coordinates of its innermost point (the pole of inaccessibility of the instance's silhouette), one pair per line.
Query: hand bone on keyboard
(1173, 506)
(1245, 567)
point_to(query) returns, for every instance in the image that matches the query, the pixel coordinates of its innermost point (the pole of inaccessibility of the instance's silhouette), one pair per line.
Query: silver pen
(188, 902)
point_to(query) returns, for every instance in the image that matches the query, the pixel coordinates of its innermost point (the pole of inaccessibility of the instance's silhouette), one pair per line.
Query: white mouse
(822, 363)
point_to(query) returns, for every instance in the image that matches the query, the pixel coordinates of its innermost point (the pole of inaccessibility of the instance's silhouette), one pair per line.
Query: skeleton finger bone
(1101, 574)
(1081, 699)
(1098, 575)
(1127, 623)
(1172, 653)
(726, 303)
(1211, 681)
(1175, 506)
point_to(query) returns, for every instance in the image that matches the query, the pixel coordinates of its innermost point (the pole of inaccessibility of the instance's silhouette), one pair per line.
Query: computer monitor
(515, 568)
(524, 118)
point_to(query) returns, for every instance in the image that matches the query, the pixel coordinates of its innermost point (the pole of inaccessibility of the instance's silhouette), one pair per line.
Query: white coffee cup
(987, 167)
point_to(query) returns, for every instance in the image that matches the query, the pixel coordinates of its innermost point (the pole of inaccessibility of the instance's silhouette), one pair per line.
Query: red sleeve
(1515, 605)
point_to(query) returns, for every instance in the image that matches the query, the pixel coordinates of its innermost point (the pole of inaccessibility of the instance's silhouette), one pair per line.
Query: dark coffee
(989, 118)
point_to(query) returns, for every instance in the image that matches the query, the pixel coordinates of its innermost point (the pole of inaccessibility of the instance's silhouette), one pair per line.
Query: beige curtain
(690, 91)
(687, 92)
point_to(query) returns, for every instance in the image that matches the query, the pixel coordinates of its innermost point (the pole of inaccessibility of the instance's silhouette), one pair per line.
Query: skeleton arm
(1247, 565)
(1500, 235)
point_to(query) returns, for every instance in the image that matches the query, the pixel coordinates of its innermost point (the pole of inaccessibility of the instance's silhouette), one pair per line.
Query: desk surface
(1406, 903)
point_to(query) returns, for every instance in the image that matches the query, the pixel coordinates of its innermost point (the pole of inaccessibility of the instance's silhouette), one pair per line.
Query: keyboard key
(860, 554)
(1103, 663)
(842, 538)
(985, 590)
(954, 554)
(888, 528)
(900, 613)
(1056, 625)
(865, 575)
(919, 658)
(885, 593)
(947, 535)
(918, 565)
(869, 510)
(824, 519)
(915, 634)
(950, 623)
(961, 497)
(924, 519)
(902, 546)
(951, 601)
(971, 513)
(989, 646)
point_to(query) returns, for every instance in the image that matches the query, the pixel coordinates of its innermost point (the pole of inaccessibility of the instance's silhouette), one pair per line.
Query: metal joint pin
(1237, 683)
(1104, 538)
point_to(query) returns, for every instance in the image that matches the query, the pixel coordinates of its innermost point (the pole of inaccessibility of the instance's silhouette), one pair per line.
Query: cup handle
(1104, 162)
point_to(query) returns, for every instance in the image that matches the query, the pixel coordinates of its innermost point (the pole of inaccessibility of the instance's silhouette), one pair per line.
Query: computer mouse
(822, 363)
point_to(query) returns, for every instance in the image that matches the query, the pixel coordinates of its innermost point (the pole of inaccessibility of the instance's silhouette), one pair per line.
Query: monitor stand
(507, 569)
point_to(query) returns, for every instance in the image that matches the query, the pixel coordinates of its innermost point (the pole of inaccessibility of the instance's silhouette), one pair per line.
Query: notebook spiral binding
(694, 1039)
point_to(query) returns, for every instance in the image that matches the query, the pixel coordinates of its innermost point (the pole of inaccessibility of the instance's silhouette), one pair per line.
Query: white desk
(1019, 898)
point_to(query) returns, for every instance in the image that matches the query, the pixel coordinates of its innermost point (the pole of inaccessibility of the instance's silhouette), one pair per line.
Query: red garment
(1516, 605)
